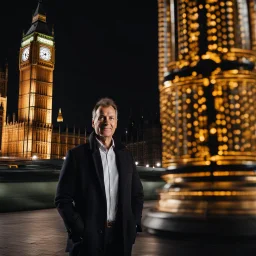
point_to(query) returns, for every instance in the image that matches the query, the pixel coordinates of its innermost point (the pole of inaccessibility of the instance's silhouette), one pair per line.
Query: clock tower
(36, 65)
(32, 135)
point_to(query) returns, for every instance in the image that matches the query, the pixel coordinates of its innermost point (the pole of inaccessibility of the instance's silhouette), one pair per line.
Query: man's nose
(106, 120)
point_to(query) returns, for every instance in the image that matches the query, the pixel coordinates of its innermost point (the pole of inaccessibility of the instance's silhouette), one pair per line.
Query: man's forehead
(106, 110)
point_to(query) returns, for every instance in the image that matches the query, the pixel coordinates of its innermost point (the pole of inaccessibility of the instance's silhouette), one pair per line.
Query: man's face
(105, 122)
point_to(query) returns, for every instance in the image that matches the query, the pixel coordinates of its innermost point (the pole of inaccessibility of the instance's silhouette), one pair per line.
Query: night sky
(103, 48)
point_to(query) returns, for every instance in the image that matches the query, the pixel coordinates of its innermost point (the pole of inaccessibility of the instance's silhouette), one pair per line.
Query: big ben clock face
(25, 54)
(45, 53)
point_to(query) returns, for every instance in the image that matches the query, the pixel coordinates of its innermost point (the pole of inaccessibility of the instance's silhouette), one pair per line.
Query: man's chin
(106, 135)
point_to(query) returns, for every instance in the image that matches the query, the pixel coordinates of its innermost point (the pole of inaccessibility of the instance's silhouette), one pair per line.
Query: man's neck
(106, 141)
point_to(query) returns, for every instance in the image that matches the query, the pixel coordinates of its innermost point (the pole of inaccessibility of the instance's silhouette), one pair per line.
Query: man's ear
(93, 126)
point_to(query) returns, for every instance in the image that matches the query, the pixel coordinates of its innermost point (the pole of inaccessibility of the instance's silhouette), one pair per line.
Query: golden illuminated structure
(207, 84)
(65, 139)
(3, 97)
(32, 134)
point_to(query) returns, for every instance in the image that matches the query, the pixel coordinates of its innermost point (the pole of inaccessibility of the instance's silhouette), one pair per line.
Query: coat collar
(94, 145)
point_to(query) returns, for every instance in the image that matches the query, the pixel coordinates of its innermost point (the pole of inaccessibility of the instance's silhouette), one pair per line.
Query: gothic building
(33, 134)
(3, 97)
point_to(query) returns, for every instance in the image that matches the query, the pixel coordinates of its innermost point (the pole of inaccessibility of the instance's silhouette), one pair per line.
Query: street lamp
(34, 157)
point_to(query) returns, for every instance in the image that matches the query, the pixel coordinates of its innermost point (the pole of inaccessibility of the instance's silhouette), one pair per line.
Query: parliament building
(31, 134)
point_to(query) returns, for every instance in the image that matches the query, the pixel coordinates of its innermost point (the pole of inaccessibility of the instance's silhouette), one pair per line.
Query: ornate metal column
(207, 84)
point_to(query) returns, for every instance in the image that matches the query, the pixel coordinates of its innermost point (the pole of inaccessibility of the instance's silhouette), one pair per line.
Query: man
(99, 193)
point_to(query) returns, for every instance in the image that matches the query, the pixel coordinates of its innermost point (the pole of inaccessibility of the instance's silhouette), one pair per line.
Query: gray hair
(104, 102)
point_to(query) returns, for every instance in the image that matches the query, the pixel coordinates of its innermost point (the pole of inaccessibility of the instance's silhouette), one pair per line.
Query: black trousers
(113, 242)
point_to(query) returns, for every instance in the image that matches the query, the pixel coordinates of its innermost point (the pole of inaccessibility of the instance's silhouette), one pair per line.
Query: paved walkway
(42, 233)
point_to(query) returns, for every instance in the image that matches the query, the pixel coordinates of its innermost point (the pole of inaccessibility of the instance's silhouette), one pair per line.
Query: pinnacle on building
(60, 117)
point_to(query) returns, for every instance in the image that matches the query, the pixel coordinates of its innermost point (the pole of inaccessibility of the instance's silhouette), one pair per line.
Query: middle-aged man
(99, 193)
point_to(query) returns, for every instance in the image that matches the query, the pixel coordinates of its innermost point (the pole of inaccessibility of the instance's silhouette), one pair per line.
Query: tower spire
(39, 21)
(60, 117)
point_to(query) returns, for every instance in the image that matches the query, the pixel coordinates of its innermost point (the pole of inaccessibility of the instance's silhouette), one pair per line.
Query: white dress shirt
(111, 178)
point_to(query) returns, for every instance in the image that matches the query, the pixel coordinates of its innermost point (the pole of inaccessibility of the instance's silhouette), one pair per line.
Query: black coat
(81, 200)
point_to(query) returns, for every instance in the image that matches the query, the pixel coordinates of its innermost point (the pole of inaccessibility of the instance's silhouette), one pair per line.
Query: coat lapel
(121, 166)
(99, 169)
(97, 162)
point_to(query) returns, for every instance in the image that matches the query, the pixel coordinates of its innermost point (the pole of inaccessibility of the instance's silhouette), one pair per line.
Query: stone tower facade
(3, 97)
(31, 133)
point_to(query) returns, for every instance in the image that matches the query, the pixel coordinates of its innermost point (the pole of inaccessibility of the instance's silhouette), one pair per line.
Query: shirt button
(100, 231)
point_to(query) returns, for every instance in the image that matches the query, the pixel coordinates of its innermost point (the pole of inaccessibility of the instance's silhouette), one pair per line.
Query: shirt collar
(102, 146)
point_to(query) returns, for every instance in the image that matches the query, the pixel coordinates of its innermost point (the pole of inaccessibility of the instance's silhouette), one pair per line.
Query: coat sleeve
(137, 197)
(64, 198)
